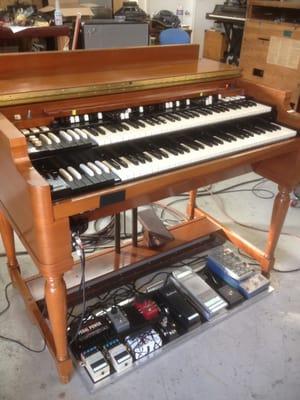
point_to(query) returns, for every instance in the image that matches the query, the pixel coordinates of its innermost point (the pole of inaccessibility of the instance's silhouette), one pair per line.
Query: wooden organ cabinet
(68, 112)
(271, 42)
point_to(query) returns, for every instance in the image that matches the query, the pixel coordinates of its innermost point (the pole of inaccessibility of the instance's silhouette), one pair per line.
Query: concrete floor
(254, 354)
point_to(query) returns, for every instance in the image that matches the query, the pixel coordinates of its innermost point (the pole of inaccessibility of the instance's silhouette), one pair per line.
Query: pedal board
(111, 339)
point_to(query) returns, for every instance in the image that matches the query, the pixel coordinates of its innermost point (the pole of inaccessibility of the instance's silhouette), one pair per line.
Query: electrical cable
(6, 298)
(286, 271)
(12, 340)
(273, 269)
(228, 189)
(81, 253)
(101, 239)
(255, 190)
(221, 206)
(114, 297)
(18, 253)
(178, 214)
(8, 339)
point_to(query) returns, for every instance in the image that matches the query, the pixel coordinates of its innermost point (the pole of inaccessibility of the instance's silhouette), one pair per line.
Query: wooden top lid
(32, 77)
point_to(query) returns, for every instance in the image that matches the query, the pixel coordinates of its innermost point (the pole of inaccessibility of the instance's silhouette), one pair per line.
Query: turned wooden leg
(56, 300)
(280, 208)
(192, 204)
(7, 235)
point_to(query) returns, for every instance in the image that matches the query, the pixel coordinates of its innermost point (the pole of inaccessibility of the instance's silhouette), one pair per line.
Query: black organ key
(154, 152)
(119, 127)
(111, 128)
(183, 114)
(155, 120)
(124, 126)
(140, 158)
(215, 109)
(277, 128)
(140, 123)
(206, 140)
(96, 131)
(148, 121)
(161, 119)
(133, 124)
(170, 149)
(169, 117)
(175, 116)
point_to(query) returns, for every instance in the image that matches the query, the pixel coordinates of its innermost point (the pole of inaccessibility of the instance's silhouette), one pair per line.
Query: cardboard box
(69, 8)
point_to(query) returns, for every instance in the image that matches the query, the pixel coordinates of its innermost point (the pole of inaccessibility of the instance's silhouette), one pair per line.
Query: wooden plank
(107, 261)
(73, 74)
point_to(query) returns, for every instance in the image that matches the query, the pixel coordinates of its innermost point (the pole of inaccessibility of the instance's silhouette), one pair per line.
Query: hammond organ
(93, 133)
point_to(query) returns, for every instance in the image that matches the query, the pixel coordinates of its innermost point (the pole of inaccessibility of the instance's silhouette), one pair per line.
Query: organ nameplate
(112, 198)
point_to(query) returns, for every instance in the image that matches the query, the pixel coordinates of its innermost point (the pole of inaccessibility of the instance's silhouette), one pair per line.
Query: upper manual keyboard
(106, 128)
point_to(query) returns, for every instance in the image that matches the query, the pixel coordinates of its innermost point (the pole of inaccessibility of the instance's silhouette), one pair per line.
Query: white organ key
(74, 172)
(86, 169)
(44, 128)
(108, 167)
(32, 138)
(65, 174)
(34, 130)
(72, 133)
(45, 139)
(94, 168)
(64, 135)
(26, 132)
(81, 133)
(103, 166)
(55, 138)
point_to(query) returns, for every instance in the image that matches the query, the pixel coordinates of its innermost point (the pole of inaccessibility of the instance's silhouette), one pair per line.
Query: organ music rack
(36, 88)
